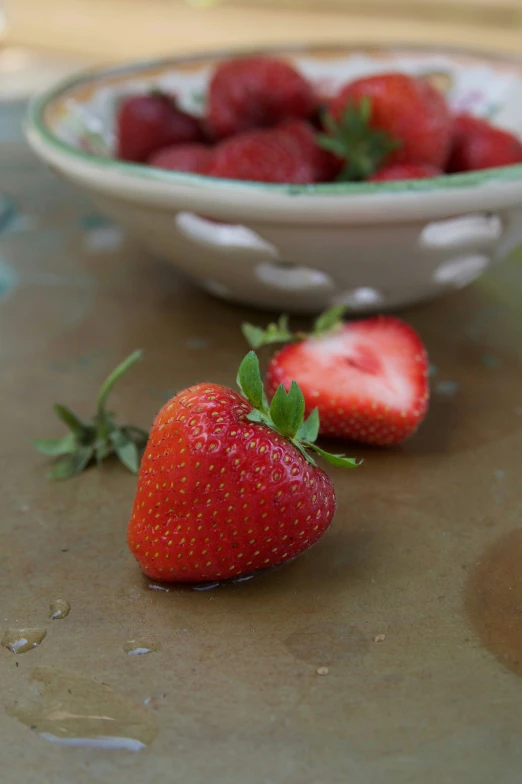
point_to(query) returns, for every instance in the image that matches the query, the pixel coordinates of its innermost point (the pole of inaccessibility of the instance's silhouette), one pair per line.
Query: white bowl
(298, 248)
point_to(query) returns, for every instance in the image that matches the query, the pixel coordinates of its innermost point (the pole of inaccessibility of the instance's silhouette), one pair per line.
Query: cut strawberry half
(368, 379)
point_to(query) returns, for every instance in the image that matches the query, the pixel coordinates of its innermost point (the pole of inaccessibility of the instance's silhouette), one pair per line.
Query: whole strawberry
(148, 123)
(226, 486)
(195, 158)
(263, 156)
(405, 171)
(387, 119)
(479, 145)
(368, 379)
(256, 92)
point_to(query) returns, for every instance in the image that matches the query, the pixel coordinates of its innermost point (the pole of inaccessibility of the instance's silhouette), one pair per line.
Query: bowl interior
(82, 113)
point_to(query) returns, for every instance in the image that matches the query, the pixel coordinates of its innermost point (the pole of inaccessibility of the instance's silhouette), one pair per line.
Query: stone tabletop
(392, 651)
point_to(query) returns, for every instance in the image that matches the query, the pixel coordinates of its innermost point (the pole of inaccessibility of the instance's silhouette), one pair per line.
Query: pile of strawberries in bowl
(265, 122)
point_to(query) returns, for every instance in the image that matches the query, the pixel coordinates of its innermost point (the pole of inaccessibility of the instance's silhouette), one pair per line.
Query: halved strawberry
(368, 378)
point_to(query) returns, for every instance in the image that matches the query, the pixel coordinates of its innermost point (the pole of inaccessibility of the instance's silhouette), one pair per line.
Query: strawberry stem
(113, 377)
(285, 415)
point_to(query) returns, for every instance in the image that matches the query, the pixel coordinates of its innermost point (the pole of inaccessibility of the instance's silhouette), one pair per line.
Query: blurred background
(44, 39)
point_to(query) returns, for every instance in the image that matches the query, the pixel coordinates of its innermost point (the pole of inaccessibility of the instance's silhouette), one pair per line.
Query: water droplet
(447, 388)
(205, 586)
(140, 646)
(22, 640)
(157, 588)
(75, 711)
(60, 608)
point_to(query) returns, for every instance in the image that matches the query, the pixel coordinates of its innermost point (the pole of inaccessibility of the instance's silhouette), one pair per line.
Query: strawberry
(263, 156)
(368, 379)
(226, 486)
(387, 119)
(256, 92)
(194, 158)
(89, 442)
(405, 171)
(326, 166)
(148, 123)
(479, 145)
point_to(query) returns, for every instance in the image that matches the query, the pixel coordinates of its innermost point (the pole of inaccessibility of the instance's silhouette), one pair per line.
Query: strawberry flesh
(219, 496)
(368, 379)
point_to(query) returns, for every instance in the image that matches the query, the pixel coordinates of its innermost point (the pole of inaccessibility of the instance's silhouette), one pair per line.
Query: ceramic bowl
(298, 248)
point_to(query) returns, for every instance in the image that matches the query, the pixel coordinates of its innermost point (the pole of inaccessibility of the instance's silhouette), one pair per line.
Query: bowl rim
(35, 123)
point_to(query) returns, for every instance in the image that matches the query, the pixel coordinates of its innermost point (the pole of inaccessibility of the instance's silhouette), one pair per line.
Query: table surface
(128, 29)
(425, 548)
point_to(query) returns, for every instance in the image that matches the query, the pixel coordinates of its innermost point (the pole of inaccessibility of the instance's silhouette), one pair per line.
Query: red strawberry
(220, 493)
(326, 165)
(262, 156)
(405, 171)
(183, 157)
(370, 113)
(479, 145)
(148, 123)
(368, 379)
(256, 92)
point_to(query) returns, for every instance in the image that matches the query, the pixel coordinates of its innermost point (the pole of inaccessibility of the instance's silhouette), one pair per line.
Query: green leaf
(250, 383)
(102, 450)
(309, 429)
(259, 418)
(328, 320)
(71, 420)
(126, 450)
(299, 446)
(274, 333)
(337, 460)
(352, 138)
(72, 464)
(331, 144)
(287, 410)
(113, 377)
(365, 110)
(54, 447)
(254, 335)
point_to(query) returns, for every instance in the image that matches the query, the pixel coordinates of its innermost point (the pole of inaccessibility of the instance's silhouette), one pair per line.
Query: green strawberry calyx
(279, 332)
(285, 414)
(94, 441)
(352, 138)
